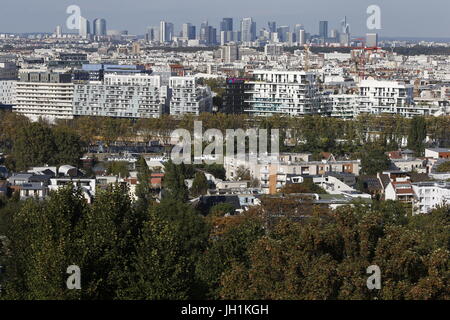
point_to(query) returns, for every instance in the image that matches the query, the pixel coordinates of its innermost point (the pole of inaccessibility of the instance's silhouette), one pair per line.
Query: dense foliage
(169, 251)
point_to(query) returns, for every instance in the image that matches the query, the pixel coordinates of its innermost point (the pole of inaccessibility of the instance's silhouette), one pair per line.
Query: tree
(43, 244)
(242, 174)
(307, 186)
(199, 185)
(34, 146)
(417, 135)
(374, 160)
(174, 176)
(143, 188)
(68, 145)
(118, 168)
(444, 167)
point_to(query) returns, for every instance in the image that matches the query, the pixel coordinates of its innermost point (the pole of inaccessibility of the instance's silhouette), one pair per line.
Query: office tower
(58, 31)
(230, 53)
(152, 34)
(248, 30)
(298, 27)
(188, 31)
(334, 34)
(371, 40)
(85, 28)
(44, 94)
(282, 33)
(301, 37)
(323, 29)
(226, 24)
(99, 26)
(272, 26)
(208, 34)
(165, 32)
(345, 33)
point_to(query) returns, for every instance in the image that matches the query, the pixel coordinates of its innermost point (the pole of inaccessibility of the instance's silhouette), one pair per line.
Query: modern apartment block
(126, 96)
(391, 97)
(44, 94)
(283, 92)
(187, 97)
(235, 97)
(344, 106)
(430, 195)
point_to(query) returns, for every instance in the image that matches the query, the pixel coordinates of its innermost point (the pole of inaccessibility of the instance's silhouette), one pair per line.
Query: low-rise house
(19, 179)
(437, 153)
(87, 186)
(35, 190)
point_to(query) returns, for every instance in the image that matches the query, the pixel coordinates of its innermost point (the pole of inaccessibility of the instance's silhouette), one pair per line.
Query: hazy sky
(410, 18)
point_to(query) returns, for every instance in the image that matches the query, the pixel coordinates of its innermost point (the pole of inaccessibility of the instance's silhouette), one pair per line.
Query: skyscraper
(226, 24)
(371, 40)
(152, 34)
(272, 26)
(301, 37)
(165, 31)
(282, 33)
(345, 33)
(85, 28)
(248, 30)
(323, 29)
(208, 34)
(99, 26)
(188, 31)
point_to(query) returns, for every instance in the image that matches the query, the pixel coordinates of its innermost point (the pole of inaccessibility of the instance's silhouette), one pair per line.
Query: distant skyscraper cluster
(244, 31)
(98, 27)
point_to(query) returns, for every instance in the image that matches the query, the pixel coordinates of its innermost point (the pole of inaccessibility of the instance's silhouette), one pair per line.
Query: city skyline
(44, 16)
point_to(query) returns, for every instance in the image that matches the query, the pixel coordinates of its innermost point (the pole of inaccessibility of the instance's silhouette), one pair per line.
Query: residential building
(430, 195)
(387, 97)
(187, 97)
(125, 96)
(46, 95)
(283, 92)
(235, 97)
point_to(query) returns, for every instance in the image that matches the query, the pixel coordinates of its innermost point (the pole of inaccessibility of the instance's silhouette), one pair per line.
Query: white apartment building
(345, 106)
(45, 95)
(430, 195)
(391, 97)
(283, 92)
(187, 97)
(127, 96)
